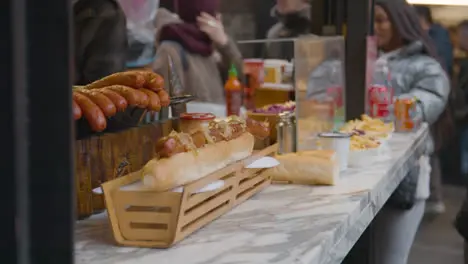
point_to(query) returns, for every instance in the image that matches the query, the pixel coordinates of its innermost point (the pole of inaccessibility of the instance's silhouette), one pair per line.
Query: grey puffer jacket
(415, 74)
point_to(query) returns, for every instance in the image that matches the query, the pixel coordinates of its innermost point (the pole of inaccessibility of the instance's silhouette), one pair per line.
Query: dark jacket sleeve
(459, 94)
(441, 37)
(463, 78)
(102, 44)
(461, 222)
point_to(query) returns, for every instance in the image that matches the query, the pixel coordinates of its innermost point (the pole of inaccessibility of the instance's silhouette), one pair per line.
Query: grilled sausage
(168, 147)
(164, 97)
(133, 96)
(92, 112)
(119, 101)
(133, 79)
(236, 130)
(199, 139)
(182, 142)
(77, 113)
(154, 102)
(106, 105)
(258, 129)
(216, 135)
(153, 81)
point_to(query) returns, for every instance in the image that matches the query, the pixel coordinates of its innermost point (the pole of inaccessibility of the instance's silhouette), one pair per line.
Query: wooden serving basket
(99, 159)
(145, 218)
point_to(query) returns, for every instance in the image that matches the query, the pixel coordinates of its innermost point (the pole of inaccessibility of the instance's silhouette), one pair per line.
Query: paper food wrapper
(262, 163)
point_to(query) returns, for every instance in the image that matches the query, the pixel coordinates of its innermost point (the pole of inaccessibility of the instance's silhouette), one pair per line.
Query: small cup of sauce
(193, 122)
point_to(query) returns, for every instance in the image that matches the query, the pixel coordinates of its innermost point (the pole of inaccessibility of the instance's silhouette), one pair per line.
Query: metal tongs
(179, 100)
(182, 99)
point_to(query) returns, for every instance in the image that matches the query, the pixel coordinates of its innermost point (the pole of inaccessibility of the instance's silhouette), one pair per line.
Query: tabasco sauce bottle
(233, 88)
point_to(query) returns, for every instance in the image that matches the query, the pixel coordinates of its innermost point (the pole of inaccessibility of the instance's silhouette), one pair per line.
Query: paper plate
(208, 188)
(263, 163)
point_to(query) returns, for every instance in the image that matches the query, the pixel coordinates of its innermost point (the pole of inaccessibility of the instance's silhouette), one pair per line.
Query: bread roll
(182, 168)
(317, 167)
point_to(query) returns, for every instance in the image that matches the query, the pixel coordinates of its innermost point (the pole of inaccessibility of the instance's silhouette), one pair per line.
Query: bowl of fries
(363, 150)
(369, 126)
(363, 142)
(368, 137)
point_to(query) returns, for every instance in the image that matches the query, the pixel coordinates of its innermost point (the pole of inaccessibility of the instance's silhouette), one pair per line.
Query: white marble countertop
(283, 224)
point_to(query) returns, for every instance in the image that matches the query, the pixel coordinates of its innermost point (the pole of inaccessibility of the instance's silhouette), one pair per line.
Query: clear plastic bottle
(380, 93)
(382, 74)
(336, 92)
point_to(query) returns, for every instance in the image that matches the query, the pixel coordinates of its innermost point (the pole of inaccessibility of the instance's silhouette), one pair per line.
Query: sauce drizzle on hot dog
(215, 132)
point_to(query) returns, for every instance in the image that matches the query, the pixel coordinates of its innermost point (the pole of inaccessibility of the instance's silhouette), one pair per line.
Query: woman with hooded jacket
(416, 73)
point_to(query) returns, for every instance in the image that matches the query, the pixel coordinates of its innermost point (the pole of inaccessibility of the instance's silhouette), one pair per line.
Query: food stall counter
(283, 224)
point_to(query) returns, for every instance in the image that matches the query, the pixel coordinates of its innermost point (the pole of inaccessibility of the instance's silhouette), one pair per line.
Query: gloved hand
(213, 27)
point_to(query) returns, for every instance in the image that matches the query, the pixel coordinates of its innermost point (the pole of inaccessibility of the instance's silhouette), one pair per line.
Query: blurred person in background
(454, 38)
(200, 48)
(141, 30)
(416, 73)
(453, 32)
(441, 39)
(461, 222)
(439, 35)
(293, 20)
(100, 39)
(462, 94)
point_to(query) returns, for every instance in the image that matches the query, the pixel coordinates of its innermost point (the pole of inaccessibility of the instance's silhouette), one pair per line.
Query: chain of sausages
(217, 131)
(104, 98)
